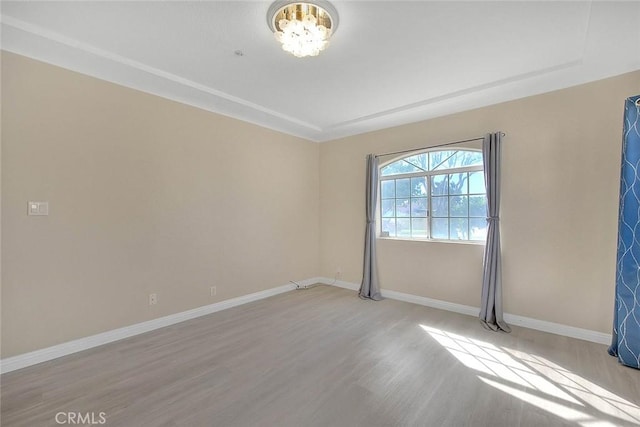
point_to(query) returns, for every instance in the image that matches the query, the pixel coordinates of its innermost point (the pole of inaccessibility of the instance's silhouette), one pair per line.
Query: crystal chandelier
(303, 29)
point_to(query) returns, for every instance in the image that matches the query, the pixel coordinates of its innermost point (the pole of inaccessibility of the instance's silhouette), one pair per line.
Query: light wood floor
(323, 357)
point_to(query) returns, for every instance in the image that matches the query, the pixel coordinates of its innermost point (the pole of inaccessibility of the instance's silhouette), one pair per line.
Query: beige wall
(146, 195)
(560, 182)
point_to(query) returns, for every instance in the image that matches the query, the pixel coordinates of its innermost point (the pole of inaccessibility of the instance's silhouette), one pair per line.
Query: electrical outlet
(153, 299)
(213, 291)
(338, 271)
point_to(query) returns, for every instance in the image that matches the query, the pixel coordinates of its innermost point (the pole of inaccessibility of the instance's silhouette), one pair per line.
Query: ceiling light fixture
(303, 28)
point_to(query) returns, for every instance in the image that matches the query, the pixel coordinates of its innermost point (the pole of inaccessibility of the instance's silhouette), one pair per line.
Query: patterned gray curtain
(491, 305)
(370, 287)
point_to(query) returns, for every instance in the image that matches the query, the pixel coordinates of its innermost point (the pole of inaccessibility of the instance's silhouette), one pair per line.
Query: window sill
(455, 242)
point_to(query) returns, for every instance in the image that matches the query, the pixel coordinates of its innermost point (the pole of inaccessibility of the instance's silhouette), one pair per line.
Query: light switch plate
(38, 208)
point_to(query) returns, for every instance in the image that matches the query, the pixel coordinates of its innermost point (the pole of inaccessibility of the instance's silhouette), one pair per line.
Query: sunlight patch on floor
(538, 381)
(560, 410)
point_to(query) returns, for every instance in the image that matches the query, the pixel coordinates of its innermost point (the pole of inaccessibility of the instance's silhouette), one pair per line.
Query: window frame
(428, 175)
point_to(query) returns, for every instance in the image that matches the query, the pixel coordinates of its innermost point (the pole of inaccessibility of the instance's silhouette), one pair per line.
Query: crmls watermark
(81, 418)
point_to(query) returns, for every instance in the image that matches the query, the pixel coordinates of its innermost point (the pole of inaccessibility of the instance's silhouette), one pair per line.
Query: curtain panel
(370, 287)
(491, 304)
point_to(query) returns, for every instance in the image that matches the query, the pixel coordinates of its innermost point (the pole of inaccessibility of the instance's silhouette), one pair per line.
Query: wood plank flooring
(323, 357)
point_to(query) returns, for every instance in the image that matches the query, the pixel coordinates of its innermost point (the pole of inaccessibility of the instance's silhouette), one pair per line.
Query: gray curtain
(370, 287)
(491, 306)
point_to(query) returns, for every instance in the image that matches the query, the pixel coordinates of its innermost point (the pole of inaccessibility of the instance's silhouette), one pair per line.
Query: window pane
(403, 227)
(448, 159)
(440, 206)
(438, 159)
(458, 183)
(477, 229)
(439, 228)
(439, 185)
(459, 206)
(419, 207)
(402, 207)
(419, 227)
(403, 187)
(398, 167)
(419, 160)
(389, 225)
(388, 208)
(468, 158)
(476, 183)
(388, 189)
(419, 186)
(478, 206)
(459, 229)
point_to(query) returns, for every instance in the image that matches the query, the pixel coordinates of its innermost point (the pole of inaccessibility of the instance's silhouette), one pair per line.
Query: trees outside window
(434, 195)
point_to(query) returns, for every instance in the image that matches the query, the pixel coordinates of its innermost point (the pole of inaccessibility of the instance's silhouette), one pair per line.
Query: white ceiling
(389, 62)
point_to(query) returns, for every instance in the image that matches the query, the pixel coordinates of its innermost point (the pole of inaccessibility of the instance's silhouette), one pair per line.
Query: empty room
(321, 213)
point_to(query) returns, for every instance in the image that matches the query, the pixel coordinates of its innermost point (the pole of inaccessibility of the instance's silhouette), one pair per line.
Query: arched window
(434, 195)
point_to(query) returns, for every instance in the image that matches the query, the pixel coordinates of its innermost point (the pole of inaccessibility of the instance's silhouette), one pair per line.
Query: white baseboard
(38, 356)
(430, 302)
(338, 283)
(513, 319)
(558, 329)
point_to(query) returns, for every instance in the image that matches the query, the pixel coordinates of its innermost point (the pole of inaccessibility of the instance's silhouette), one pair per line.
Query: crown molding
(47, 46)
(41, 44)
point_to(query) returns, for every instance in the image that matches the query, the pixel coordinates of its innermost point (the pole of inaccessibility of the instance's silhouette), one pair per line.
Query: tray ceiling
(389, 63)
